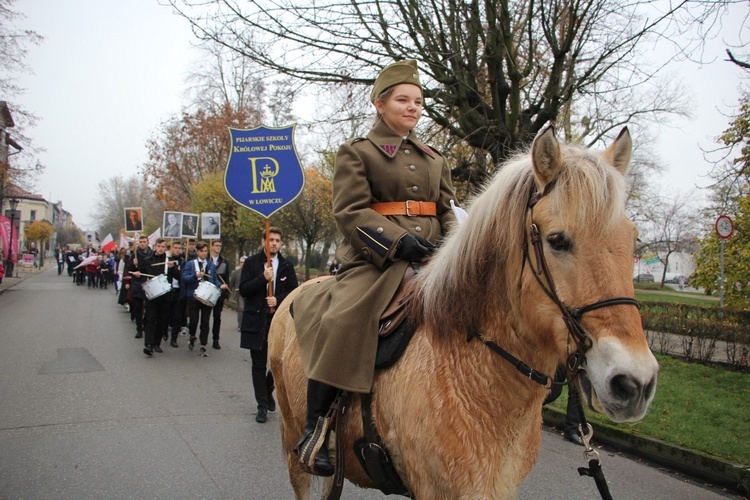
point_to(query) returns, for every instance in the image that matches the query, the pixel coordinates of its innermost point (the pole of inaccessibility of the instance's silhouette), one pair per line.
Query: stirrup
(310, 445)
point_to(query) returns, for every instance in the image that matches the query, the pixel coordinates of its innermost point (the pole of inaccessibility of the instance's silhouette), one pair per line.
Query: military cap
(395, 74)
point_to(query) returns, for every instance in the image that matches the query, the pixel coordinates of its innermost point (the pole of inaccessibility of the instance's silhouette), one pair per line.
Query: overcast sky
(110, 71)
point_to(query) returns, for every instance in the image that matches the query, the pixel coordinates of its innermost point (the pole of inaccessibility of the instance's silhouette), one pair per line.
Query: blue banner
(263, 172)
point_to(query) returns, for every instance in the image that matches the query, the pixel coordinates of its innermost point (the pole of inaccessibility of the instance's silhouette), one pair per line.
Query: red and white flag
(108, 244)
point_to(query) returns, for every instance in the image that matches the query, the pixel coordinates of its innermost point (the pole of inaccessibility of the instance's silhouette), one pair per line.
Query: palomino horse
(458, 420)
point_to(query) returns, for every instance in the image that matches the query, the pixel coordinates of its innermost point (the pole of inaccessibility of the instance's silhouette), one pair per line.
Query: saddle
(394, 332)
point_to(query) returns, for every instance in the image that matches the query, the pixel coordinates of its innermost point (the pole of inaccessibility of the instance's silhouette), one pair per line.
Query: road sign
(724, 226)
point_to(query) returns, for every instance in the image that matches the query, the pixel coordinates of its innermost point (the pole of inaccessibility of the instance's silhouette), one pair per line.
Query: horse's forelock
(483, 255)
(589, 194)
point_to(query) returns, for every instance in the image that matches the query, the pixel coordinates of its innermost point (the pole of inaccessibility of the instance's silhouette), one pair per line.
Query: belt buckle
(408, 212)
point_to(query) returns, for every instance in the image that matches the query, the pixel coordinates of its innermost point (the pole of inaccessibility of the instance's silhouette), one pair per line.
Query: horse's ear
(546, 156)
(618, 154)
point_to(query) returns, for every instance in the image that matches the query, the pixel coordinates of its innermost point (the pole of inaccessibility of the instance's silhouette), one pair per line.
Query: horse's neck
(486, 377)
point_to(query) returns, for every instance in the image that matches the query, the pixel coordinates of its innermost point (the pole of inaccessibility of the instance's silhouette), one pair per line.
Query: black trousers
(179, 310)
(216, 329)
(136, 311)
(198, 309)
(158, 312)
(262, 377)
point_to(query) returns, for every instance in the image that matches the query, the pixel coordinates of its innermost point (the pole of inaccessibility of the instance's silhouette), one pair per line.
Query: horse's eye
(559, 242)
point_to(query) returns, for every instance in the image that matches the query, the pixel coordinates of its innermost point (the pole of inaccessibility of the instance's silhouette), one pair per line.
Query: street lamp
(9, 264)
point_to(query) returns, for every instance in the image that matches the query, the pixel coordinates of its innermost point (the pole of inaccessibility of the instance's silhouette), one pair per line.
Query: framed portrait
(210, 226)
(134, 219)
(189, 225)
(172, 225)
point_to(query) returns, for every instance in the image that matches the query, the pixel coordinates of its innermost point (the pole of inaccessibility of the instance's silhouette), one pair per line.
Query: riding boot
(319, 399)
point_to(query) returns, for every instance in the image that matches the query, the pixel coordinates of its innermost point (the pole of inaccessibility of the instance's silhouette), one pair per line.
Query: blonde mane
(484, 254)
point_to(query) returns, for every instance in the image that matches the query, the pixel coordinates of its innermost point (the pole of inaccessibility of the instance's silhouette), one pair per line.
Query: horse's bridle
(571, 316)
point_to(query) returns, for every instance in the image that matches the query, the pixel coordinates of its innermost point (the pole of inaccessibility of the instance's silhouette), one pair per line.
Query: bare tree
(494, 72)
(117, 193)
(14, 46)
(671, 226)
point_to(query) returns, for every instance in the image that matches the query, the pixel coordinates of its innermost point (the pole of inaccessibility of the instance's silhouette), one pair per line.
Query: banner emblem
(263, 171)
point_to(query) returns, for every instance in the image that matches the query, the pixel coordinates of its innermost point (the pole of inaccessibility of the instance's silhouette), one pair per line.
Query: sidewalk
(23, 274)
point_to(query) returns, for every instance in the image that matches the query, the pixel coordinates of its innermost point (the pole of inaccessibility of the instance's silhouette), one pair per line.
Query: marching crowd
(172, 292)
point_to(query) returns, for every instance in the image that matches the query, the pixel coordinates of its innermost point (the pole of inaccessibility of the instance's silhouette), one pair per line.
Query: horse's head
(579, 273)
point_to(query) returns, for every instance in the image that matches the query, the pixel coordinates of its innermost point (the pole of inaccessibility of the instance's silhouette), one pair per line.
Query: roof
(20, 193)
(7, 118)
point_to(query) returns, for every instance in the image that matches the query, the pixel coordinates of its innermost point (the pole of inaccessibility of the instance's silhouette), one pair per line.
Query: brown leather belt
(410, 207)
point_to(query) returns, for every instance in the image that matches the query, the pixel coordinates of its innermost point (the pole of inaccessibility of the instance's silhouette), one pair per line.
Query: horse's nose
(627, 388)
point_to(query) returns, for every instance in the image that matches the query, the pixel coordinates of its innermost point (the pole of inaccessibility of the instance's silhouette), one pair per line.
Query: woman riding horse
(391, 201)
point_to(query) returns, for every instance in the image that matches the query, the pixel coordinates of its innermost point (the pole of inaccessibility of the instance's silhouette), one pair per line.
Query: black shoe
(262, 416)
(165, 337)
(191, 343)
(573, 438)
(173, 343)
(216, 345)
(147, 350)
(157, 348)
(271, 403)
(319, 399)
(139, 335)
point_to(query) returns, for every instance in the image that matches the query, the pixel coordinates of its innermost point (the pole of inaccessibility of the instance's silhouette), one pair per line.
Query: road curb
(700, 466)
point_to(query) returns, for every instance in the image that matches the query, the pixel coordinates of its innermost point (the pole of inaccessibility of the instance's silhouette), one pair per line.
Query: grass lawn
(702, 408)
(693, 299)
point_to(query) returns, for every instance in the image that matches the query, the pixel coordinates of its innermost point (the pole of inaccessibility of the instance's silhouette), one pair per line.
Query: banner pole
(268, 258)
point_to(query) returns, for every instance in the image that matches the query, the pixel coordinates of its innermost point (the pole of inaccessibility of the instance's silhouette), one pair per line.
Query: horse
(546, 240)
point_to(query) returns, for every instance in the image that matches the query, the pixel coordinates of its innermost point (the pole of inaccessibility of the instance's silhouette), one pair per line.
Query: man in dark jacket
(222, 271)
(137, 296)
(158, 308)
(259, 310)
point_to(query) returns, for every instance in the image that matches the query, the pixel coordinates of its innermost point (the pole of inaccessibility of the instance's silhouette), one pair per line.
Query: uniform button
(412, 167)
(365, 252)
(418, 229)
(379, 230)
(407, 152)
(414, 189)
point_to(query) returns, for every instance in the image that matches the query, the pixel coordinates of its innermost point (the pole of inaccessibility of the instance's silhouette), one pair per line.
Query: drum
(208, 293)
(157, 286)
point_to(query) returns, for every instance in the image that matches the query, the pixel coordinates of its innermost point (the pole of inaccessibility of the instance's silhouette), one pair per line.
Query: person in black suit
(259, 311)
(222, 271)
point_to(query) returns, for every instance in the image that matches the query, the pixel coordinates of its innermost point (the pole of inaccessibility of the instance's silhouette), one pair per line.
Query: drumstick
(143, 274)
(162, 263)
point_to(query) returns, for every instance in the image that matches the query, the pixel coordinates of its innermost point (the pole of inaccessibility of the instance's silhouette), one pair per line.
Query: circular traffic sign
(724, 226)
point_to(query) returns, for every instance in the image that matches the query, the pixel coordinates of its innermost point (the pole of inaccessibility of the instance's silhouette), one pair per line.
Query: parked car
(644, 277)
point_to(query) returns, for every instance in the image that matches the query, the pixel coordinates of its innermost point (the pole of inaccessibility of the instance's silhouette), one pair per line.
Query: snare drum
(157, 286)
(208, 293)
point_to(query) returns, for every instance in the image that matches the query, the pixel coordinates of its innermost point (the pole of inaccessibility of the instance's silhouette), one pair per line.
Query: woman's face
(402, 109)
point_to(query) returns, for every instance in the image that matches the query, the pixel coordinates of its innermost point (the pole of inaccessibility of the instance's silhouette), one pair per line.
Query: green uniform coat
(337, 320)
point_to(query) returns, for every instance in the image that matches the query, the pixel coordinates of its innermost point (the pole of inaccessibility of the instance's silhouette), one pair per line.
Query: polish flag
(108, 244)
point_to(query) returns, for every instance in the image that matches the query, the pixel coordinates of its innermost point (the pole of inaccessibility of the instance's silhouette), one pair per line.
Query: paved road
(85, 414)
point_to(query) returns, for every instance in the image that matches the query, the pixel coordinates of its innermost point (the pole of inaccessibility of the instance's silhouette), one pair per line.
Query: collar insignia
(388, 148)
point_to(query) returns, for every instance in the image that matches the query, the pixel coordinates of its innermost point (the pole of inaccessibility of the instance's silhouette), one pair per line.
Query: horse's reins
(571, 317)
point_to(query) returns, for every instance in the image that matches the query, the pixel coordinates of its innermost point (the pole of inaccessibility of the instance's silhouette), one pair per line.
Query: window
(32, 216)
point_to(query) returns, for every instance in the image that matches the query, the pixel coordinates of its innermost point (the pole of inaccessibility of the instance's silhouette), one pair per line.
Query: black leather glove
(414, 248)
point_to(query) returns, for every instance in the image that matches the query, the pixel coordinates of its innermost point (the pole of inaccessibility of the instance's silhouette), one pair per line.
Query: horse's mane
(478, 267)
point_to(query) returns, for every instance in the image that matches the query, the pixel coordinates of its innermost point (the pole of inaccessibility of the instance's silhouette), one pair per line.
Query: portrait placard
(189, 225)
(210, 225)
(133, 219)
(172, 224)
